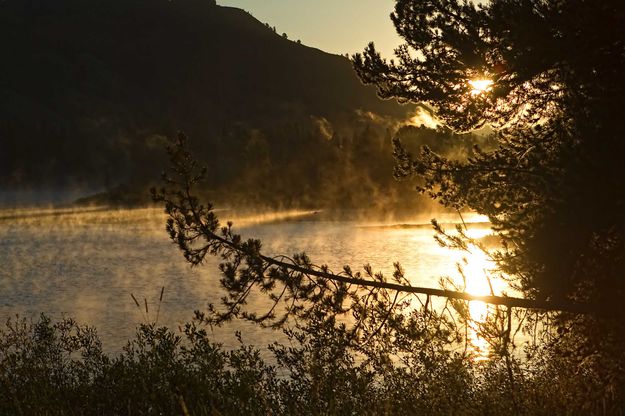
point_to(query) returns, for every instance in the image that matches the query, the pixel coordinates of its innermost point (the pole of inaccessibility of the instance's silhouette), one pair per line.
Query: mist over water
(24, 197)
(86, 263)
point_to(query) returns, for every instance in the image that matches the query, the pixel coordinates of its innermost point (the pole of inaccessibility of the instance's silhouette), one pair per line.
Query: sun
(480, 86)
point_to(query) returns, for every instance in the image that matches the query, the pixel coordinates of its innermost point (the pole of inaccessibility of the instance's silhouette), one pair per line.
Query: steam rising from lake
(86, 263)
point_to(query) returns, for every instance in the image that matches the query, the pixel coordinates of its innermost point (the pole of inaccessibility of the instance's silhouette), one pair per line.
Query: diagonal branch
(511, 302)
(190, 221)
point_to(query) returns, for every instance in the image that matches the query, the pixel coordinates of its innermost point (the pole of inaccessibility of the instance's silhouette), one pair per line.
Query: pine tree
(550, 80)
(548, 76)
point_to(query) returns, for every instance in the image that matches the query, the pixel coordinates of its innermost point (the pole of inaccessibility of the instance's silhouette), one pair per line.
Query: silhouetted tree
(545, 74)
(552, 83)
(527, 183)
(552, 184)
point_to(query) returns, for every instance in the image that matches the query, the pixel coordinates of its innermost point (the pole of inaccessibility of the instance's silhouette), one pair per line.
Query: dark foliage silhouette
(551, 186)
(363, 343)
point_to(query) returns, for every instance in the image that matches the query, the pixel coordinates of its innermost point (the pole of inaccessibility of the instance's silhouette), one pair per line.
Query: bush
(59, 368)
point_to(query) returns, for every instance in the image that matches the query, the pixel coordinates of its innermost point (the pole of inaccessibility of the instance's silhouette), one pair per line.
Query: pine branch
(191, 222)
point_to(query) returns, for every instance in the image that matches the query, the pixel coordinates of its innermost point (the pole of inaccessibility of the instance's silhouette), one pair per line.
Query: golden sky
(336, 26)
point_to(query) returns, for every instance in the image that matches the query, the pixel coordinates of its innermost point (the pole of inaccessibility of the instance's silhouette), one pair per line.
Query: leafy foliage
(58, 368)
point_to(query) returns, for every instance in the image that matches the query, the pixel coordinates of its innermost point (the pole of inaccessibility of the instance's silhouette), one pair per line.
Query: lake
(86, 263)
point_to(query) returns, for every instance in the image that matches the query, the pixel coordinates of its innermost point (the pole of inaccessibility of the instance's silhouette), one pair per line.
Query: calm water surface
(87, 264)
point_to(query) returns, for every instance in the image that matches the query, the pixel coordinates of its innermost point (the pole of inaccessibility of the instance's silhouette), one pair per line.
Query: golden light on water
(242, 219)
(477, 267)
(480, 86)
(477, 283)
(127, 235)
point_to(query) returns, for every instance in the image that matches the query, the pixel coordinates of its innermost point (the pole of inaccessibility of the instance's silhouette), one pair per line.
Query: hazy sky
(337, 26)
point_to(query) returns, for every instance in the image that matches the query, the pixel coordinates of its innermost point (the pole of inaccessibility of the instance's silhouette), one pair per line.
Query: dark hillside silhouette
(87, 87)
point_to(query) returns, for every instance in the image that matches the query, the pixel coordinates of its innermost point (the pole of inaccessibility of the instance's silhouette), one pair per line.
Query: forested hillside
(89, 90)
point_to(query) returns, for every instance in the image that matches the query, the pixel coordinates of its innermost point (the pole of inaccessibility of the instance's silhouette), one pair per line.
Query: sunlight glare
(476, 270)
(480, 86)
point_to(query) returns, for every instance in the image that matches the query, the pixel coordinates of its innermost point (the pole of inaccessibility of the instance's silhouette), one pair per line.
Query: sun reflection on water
(478, 275)
(89, 261)
(478, 267)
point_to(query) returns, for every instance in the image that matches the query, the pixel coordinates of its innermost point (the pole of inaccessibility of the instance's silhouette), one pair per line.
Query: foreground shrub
(58, 368)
